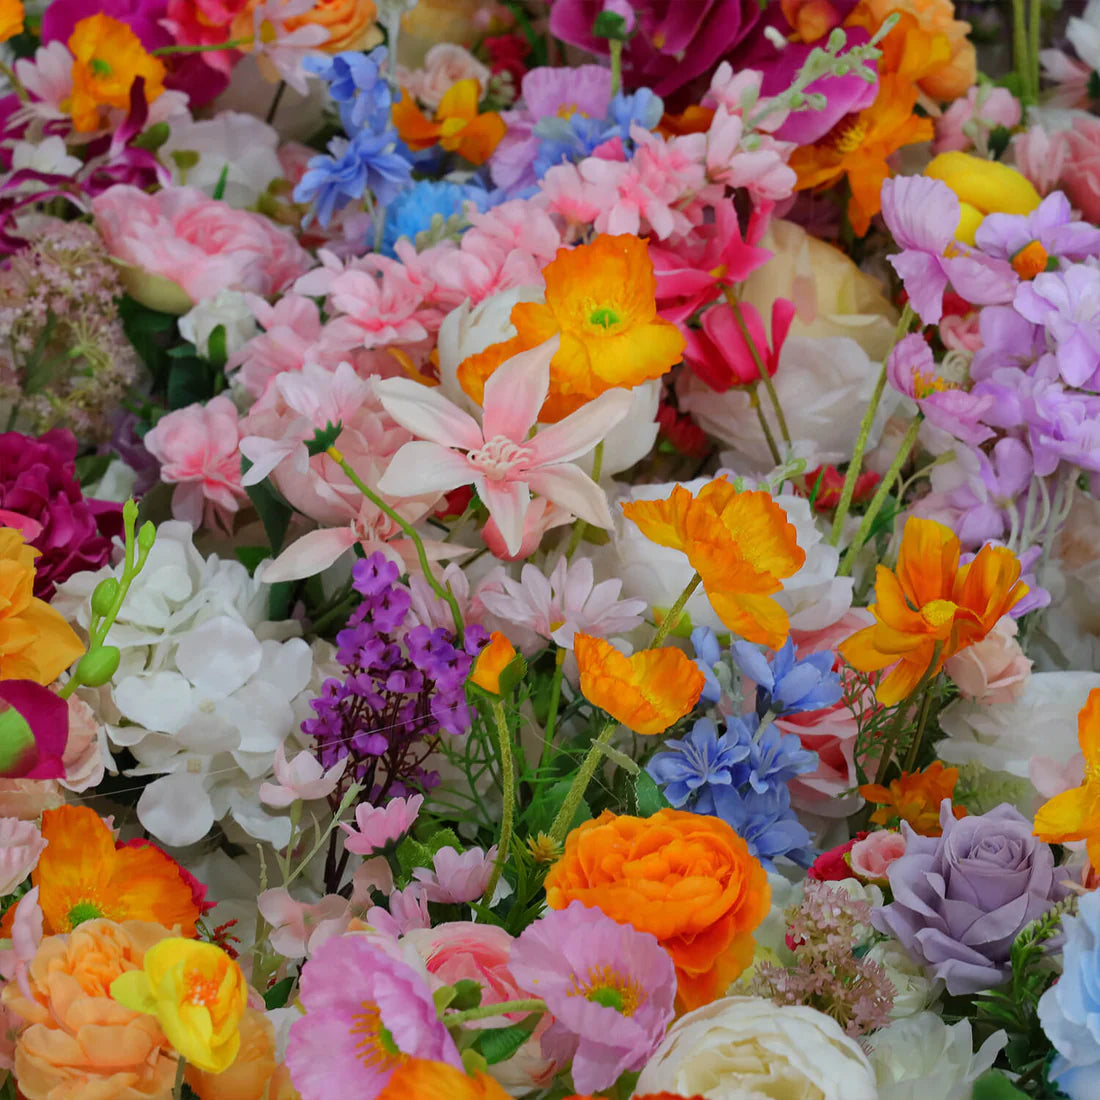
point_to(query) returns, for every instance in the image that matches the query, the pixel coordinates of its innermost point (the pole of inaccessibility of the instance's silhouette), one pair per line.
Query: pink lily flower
(500, 457)
(302, 778)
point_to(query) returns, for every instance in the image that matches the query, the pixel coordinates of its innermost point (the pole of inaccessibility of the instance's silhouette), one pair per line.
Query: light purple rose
(961, 899)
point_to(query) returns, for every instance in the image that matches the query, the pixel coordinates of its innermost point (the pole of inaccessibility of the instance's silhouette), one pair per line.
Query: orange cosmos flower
(457, 125)
(601, 299)
(915, 797)
(647, 692)
(82, 875)
(741, 545)
(1075, 814)
(930, 601)
(107, 58)
(11, 19)
(426, 1080)
(491, 662)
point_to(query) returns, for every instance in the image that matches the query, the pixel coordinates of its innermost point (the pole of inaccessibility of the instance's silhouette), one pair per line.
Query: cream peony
(740, 1048)
(913, 990)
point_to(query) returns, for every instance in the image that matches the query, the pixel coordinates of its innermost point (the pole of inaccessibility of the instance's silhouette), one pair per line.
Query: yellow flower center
(202, 990)
(718, 272)
(268, 33)
(847, 135)
(606, 986)
(568, 110)
(937, 613)
(924, 385)
(375, 1048)
(1031, 260)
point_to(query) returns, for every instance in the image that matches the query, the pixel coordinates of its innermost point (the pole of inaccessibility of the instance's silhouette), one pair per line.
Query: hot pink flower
(457, 877)
(302, 778)
(870, 857)
(499, 457)
(298, 929)
(205, 23)
(722, 357)
(379, 826)
(197, 243)
(292, 328)
(197, 448)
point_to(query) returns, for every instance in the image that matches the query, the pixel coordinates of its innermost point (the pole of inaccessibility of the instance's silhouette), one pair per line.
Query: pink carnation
(1081, 176)
(292, 327)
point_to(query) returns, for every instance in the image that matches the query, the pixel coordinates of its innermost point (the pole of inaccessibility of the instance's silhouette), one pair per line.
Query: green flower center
(605, 317)
(82, 911)
(100, 67)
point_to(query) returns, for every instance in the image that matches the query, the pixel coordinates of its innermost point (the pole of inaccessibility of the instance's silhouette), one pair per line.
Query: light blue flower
(785, 684)
(640, 108)
(766, 823)
(708, 653)
(691, 768)
(412, 212)
(356, 84)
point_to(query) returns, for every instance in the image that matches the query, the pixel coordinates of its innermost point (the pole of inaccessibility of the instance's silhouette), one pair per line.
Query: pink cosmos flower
(610, 988)
(292, 328)
(722, 357)
(922, 215)
(197, 448)
(870, 857)
(21, 844)
(300, 779)
(457, 877)
(361, 1005)
(969, 121)
(379, 826)
(498, 457)
(298, 929)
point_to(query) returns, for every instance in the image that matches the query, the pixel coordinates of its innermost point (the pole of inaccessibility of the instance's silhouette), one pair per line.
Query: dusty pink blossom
(870, 857)
(297, 928)
(379, 826)
(28, 798)
(1081, 174)
(407, 910)
(968, 122)
(456, 878)
(1041, 156)
(85, 750)
(994, 670)
(961, 333)
(762, 170)
(292, 328)
(21, 844)
(446, 63)
(302, 778)
(26, 935)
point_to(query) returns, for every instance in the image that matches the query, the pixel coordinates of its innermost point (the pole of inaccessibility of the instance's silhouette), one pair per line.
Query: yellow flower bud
(983, 187)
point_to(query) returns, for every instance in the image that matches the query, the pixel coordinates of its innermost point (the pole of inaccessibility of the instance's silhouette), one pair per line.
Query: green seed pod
(97, 667)
(104, 596)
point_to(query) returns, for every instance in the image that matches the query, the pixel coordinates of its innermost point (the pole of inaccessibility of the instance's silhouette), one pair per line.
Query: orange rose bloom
(687, 878)
(915, 797)
(11, 19)
(427, 1080)
(931, 601)
(35, 641)
(648, 691)
(601, 299)
(249, 1076)
(351, 24)
(77, 1041)
(457, 126)
(740, 544)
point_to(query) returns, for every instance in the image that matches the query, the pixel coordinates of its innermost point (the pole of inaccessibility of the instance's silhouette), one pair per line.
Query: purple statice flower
(403, 687)
(787, 684)
(1050, 224)
(922, 215)
(1067, 304)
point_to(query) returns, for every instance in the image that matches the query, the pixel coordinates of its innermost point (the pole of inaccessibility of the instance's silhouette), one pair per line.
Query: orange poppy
(601, 299)
(915, 797)
(11, 19)
(427, 1080)
(929, 600)
(457, 126)
(742, 546)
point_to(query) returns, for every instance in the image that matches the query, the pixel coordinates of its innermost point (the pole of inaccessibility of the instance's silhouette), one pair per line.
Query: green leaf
(498, 1044)
(219, 189)
(413, 853)
(649, 796)
(190, 381)
(149, 331)
(278, 995)
(323, 438)
(994, 1085)
(251, 556)
(274, 512)
(467, 994)
(90, 468)
(544, 807)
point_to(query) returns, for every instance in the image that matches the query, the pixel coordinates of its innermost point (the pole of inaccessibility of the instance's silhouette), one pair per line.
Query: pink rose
(21, 844)
(1081, 175)
(994, 670)
(84, 751)
(870, 857)
(961, 333)
(197, 447)
(180, 246)
(1041, 157)
(444, 64)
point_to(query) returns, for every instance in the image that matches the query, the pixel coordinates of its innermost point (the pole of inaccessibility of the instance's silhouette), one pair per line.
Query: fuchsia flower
(300, 779)
(609, 987)
(365, 1011)
(380, 826)
(721, 356)
(497, 457)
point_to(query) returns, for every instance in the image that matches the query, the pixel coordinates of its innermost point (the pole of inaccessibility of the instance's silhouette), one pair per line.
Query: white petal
(176, 809)
(428, 414)
(311, 554)
(580, 431)
(421, 468)
(162, 702)
(219, 656)
(573, 489)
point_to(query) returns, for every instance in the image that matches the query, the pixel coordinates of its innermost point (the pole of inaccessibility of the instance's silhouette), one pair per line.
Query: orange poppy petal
(1068, 816)
(479, 137)
(1088, 728)
(757, 619)
(661, 521)
(415, 129)
(988, 584)
(764, 534)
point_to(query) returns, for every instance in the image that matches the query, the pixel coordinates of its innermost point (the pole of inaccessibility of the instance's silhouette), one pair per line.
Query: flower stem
(345, 802)
(865, 425)
(580, 526)
(552, 710)
(616, 49)
(508, 792)
(918, 733)
(207, 47)
(754, 400)
(1019, 42)
(765, 377)
(580, 783)
(668, 623)
(501, 1008)
(879, 498)
(1034, 44)
(181, 1068)
(275, 101)
(893, 733)
(442, 591)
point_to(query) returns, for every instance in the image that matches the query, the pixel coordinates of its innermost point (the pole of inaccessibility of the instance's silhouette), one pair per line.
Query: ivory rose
(444, 64)
(995, 670)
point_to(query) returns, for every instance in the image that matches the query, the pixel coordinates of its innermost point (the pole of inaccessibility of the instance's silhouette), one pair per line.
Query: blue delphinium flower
(786, 684)
(774, 758)
(568, 140)
(766, 823)
(708, 653)
(412, 212)
(356, 84)
(691, 768)
(640, 108)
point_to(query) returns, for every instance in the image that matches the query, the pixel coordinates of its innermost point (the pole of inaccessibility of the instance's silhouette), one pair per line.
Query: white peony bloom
(913, 990)
(922, 1057)
(741, 1048)
(228, 308)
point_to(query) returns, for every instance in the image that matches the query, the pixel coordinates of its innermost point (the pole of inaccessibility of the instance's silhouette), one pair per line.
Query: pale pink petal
(921, 213)
(570, 487)
(428, 414)
(515, 392)
(265, 455)
(507, 502)
(419, 468)
(309, 555)
(580, 431)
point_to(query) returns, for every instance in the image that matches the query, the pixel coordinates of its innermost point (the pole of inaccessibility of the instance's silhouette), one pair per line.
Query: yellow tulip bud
(983, 187)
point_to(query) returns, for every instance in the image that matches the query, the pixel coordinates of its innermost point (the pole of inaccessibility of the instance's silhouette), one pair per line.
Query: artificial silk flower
(300, 779)
(377, 827)
(34, 731)
(281, 40)
(491, 662)
(741, 545)
(198, 995)
(601, 301)
(647, 692)
(499, 457)
(929, 608)
(983, 187)
(1075, 814)
(11, 19)
(723, 355)
(107, 58)
(457, 126)
(427, 1080)
(915, 797)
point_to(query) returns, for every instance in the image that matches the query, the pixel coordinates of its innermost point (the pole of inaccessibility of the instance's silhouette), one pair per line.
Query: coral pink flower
(456, 878)
(870, 857)
(292, 328)
(542, 516)
(197, 449)
(377, 827)
(302, 778)
(722, 357)
(995, 670)
(498, 457)
(205, 23)
(299, 929)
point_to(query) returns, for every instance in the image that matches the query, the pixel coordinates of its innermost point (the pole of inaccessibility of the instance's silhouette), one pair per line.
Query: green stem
(668, 623)
(580, 783)
(918, 734)
(276, 100)
(208, 47)
(181, 1068)
(754, 400)
(1019, 41)
(580, 526)
(865, 425)
(552, 710)
(501, 1008)
(762, 369)
(880, 496)
(345, 802)
(443, 592)
(616, 49)
(1034, 45)
(508, 791)
(18, 88)
(893, 733)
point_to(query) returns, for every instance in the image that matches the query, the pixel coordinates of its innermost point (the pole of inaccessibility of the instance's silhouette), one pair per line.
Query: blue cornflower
(356, 83)
(708, 653)
(692, 767)
(785, 684)
(640, 108)
(412, 211)
(767, 824)
(775, 758)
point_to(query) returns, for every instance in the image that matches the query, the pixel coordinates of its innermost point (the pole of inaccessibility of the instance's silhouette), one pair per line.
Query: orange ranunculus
(250, 1074)
(35, 641)
(457, 125)
(107, 58)
(352, 24)
(82, 875)
(741, 544)
(601, 299)
(491, 662)
(648, 691)
(427, 1080)
(11, 19)
(76, 1041)
(930, 601)
(915, 797)
(686, 878)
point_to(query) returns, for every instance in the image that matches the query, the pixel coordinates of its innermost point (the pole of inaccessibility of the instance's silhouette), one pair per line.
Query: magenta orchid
(500, 457)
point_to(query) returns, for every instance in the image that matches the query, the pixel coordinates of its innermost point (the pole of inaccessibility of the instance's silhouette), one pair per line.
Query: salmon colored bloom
(11, 19)
(686, 878)
(929, 601)
(198, 995)
(250, 1075)
(35, 641)
(107, 58)
(82, 875)
(352, 24)
(491, 662)
(426, 1080)
(601, 298)
(1075, 814)
(457, 126)
(915, 797)
(740, 544)
(648, 691)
